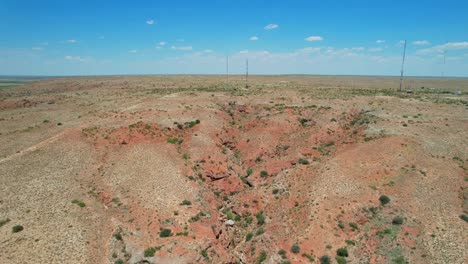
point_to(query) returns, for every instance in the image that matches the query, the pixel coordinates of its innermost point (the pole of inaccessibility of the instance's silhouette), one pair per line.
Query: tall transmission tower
(402, 67)
(246, 73)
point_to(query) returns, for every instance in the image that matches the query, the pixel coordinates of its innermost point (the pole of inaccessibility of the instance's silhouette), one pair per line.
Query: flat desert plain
(195, 169)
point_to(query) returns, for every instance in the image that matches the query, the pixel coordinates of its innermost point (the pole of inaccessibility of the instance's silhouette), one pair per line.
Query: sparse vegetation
(186, 202)
(398, 220)
(17, 228)
(295, 249)
(165, 232)
(4, 222)
(384, 199)
(79, 203)
(261, 258)
(325, 259)
(343, 252)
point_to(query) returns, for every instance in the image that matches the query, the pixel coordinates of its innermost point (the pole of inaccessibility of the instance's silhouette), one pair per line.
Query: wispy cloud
(380, 41)
(309, 50)
(314, 38)
(421, 42)
(150, 22)
(207, 51)
(133, 51)
(375, 49)
(444, 47)
(253, 38)
(358, 49)
(271, 26)
(75, 58)
(37, 48)
(162, 43)
(181, 47)
(72, 41)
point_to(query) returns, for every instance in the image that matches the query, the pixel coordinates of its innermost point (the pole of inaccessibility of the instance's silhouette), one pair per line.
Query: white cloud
(400, 43)
(180, 40)
(380, 41)
(253, 38)
(37, 48)
(309, 50)
(444, 47)
(133, 51)
(162, 43)
(45, 43)
(181, 47)
(74, 58)
(375, 49)
(208, 51)
(72, 41)
(271, 26)
(421, 42)
(314, 38)
(150, 22)
(358, 49)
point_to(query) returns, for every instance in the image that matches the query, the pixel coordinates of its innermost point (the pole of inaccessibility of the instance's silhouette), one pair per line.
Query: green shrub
(398, 220)
(79, 203)
(295, 249)
(282, 253)
(149, 252)
(303, 161)
(248, 237)
(176, 141)
(249, 171)
(309, 257)
(186, 202)
(204, 254)
(384, 199)
(17, 228)
(354, 226)
(275, 191)
(260, 231)
(119, 261)
(3, 222)
(261, 258)
(342, 252)
(165, 233)
(325, 259)
(117, 236)
(341, 225)
(260, 218)
(340, 260)
(264, 174)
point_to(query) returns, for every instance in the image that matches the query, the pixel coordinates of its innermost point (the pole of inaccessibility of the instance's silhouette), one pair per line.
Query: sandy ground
(191, 169)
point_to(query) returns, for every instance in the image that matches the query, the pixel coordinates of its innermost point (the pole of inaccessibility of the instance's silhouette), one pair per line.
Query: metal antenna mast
(402, 67)
(227, 69)
(247, 73)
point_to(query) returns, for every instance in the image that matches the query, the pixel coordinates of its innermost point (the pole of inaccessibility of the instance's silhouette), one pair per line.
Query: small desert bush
(165, 232)
(342, 252)
(325, 259)
(295, 249)
(186, 202)
(384, 199)
(17, 228)
(398, 220)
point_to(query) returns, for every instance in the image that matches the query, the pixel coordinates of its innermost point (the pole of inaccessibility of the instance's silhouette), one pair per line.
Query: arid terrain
(192, 169)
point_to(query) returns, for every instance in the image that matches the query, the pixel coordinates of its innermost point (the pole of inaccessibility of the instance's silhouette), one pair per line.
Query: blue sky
(81, 37)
